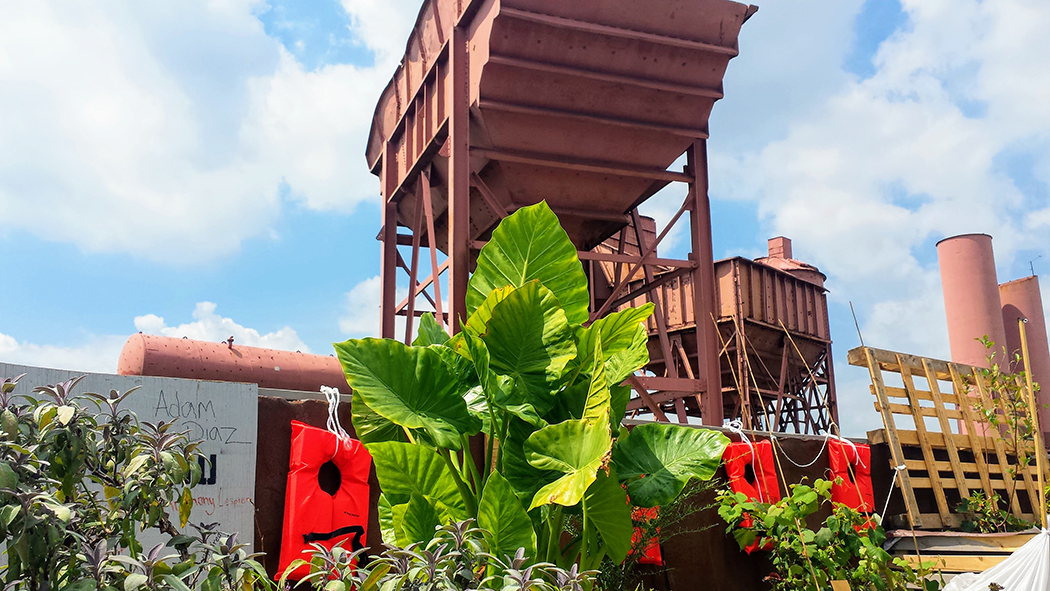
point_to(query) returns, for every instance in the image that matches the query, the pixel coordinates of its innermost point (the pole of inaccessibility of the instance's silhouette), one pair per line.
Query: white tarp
(1027, 569)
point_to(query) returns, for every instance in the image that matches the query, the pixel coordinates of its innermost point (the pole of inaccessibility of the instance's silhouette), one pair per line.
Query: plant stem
(505, 430)
(464, 490)
(555, 521)
(468, 459)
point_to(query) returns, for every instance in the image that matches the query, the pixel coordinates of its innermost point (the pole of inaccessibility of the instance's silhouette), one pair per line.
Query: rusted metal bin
(772, 318)
(618, 88)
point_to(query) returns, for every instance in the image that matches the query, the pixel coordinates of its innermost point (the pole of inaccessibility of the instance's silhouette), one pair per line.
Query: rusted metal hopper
(499, 104)
(772, 318)
(584, 104)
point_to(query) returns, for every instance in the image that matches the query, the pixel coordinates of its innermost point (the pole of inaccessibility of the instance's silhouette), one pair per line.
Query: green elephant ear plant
(545, 388)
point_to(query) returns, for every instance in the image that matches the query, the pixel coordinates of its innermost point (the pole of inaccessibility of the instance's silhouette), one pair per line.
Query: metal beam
(554, 161)
(388, 258)
(567, 23)
(593, 118)
(458, 177)
(660, 85)
(704, 285)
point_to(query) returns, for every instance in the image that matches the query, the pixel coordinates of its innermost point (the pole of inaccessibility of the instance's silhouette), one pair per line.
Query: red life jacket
(651, 554)
(851, 464)
(759, 484)
(338, 512)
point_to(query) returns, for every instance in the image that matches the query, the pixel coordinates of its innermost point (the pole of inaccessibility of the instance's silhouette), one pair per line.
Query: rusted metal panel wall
(766, 295)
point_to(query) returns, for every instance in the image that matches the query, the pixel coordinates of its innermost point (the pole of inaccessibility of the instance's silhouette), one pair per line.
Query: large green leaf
(430, 332)
(624, 341)
(531, 244)
(523, 476)
(478, 322)
(415, 521)
(404, 469)
(577, 449)
(605, 505)
(502, 516)
(588, 396)
(597, 403)
(369, 426)
(657, 460)
(410, 386)
(501, 391)
(619, 396)
(530, 341)
(386, 521)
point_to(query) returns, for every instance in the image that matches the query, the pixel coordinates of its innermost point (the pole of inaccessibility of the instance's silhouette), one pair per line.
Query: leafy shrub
(848, 546)
(78, 486)
(545, 387)
(456, 558)
(986, 515)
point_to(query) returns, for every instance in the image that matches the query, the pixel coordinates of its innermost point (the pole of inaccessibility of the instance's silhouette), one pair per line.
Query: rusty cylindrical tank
(1021, 299)
(150, 355)
(971, 298)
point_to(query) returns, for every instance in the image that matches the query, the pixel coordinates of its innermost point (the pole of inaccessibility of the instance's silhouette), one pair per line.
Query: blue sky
(153, 161)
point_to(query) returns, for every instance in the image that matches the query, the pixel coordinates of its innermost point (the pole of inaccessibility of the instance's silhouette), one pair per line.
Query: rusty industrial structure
(773, 330)
(501, 104)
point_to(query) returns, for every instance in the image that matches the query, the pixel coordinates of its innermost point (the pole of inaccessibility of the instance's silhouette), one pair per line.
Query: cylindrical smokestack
(971, 298)
(1021, 299)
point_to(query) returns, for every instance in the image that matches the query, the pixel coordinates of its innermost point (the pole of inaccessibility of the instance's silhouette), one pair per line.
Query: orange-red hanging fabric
(851, 476)
(327, 497)
(759, 482)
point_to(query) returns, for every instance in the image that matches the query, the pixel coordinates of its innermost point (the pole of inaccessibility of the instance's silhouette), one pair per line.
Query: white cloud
(209, 326)
(865, 174)
(170, 133)
(99, 354)
(361, 310)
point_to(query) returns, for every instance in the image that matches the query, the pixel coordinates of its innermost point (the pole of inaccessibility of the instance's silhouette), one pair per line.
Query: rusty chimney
(1021, 299)
(780, 258)
(971, 297)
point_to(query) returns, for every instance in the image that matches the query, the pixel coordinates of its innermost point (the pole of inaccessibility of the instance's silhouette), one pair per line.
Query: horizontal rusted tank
(150, 355)
(579, 103)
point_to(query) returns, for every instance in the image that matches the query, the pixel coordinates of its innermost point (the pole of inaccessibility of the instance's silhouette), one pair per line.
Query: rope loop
(332, 395)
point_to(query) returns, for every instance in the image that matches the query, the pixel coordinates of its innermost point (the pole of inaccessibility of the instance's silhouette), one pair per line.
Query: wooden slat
(978, 443)
(955, 542)
(895, 392)
(1034, 495)
(958, 563)
(895, 447)
(926, 411)
(924, 443)
(1000, 447)
(942, 419)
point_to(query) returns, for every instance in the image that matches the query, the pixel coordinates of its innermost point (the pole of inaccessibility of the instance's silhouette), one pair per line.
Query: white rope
(332, 396)
(737, 426)
(893, 484)
(856, 452)
(798, 465)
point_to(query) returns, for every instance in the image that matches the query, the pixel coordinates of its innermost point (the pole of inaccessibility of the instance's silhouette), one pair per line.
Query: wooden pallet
(942, 446)
(955, 552)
